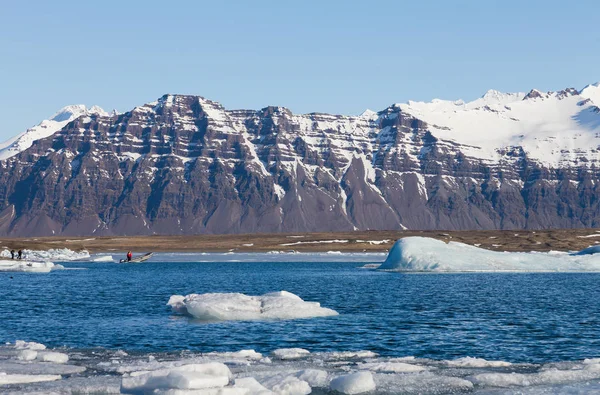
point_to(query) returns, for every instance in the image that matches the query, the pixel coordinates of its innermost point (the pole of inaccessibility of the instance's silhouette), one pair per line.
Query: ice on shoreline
(423, 254)
(58, 254)
(240, 307)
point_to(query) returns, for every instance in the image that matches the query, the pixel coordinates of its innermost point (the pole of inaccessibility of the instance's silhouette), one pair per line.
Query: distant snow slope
(557, 129)
(46, 128)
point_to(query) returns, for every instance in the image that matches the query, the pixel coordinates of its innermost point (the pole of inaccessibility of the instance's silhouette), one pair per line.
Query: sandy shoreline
(366, 241)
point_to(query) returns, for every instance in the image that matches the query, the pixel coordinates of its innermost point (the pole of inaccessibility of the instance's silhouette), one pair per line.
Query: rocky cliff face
(186, 165)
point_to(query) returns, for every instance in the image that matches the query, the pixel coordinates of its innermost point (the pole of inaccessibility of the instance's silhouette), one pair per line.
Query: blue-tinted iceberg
(423, 254)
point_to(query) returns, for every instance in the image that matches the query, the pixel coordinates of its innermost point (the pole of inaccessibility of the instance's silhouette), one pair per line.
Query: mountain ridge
(185, 165)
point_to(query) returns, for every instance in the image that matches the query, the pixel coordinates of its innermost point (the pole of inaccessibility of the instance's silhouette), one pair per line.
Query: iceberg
(354, 383)
(240, 307)
(13, 265)
(423, 254)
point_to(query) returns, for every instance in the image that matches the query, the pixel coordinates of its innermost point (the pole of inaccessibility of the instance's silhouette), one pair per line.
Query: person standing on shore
(20, 254)
(12, 254)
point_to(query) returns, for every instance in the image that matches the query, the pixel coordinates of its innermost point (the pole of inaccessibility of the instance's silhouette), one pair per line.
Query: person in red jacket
(129, 256)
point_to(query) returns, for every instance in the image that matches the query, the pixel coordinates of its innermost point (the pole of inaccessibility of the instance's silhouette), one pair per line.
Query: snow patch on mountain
(557, 129)
(46, 128)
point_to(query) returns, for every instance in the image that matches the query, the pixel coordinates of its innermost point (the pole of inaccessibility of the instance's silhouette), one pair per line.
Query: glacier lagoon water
(521, 318)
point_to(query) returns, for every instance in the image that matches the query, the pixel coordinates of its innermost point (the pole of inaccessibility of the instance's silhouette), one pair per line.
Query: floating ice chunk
(27, 355)
(177, 303)
(421, 383)
(253, 386)
(291, 385)
(23, 345)
(544, 377)
(102, 258)
(27, 266)
(236, 306)
(242, 354)
(74, 385)
(314, 377)
(354, 383)
(36, 367)
(427, 254)
(339, 355)
(56, 357)
(6, 379)
(391, 367)
(289, 353)
(469, 362)
(193, 376)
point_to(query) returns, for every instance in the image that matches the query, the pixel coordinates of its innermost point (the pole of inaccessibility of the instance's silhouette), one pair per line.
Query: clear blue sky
(326, 56)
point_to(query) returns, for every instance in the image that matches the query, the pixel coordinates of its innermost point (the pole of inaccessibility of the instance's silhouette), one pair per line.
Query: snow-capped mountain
(46, 128)
(184, 164)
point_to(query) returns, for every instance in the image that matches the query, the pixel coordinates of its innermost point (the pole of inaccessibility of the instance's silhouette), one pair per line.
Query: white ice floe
(102, 258)
(6, 379)
(550, 376)
(422, 254)
(354, 383)
(291, 385)
(14, 265)
(27, 355)
(343, 355)
(56, 357)
(29, 362)
(236, 306)
(59, 254)
(289, 353)
(187, 377)
(23, 345)
(252, 386)
(391, 367)
(469, 362)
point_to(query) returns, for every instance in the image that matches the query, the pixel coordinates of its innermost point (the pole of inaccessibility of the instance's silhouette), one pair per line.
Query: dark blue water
(511, 317)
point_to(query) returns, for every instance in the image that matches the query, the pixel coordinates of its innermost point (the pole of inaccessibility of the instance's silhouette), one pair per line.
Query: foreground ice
(14, 265)
(56, 255)
(422, 254)
(240, 307)
(248, 372)
(30, 362)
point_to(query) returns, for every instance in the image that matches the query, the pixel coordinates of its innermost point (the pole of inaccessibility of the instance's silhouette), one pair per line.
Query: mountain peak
(591, 92)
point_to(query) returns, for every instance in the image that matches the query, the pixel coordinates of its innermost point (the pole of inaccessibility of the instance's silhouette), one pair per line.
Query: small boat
(137, 259)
